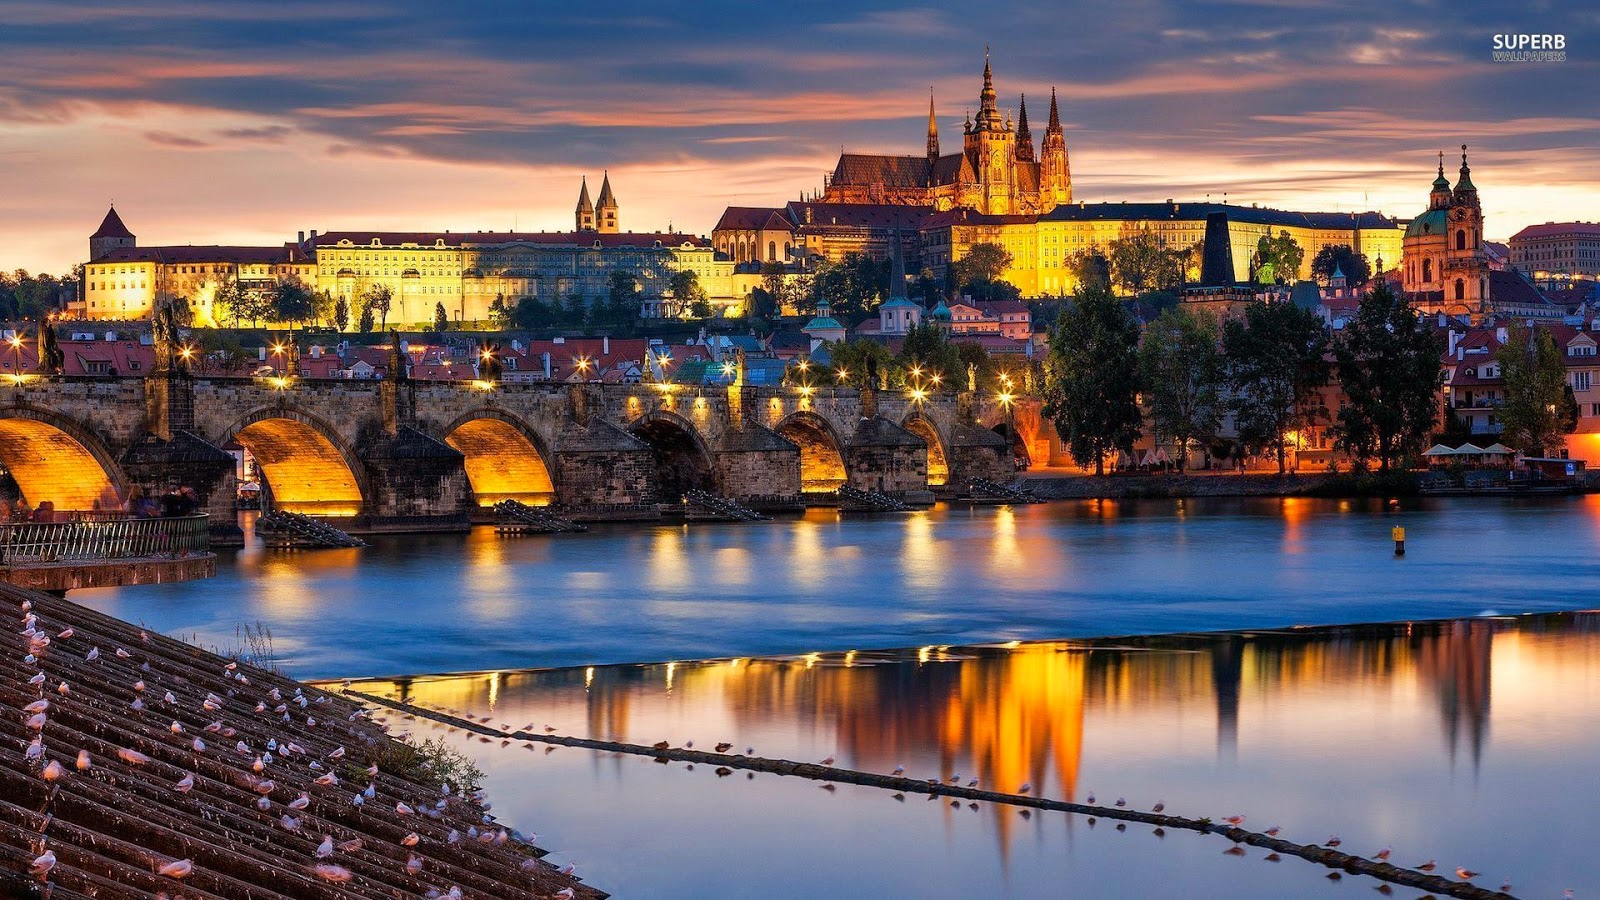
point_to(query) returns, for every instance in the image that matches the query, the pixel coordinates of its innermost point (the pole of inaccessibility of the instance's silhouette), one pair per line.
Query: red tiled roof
(868, 215)
(495, 238)
(287, 253)
(111, 226)
(753, 218)
(1558, 229)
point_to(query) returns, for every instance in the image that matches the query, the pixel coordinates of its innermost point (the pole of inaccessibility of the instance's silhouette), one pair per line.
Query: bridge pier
(881, 456)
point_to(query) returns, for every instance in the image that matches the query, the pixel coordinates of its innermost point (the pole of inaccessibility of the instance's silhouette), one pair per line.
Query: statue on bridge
(51, 360)
(972, 377)
(872, 373)
(398, 370)
(164, 339)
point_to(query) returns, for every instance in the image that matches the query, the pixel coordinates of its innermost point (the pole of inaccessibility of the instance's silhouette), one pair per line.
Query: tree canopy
(1343, 258)
(1092, 377)
(1182, 374)
(1275, 365)
(1389, 369)
(1536, 412)
(1141, 261)
(1277, 259)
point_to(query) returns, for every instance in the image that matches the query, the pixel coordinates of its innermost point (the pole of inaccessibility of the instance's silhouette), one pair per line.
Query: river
(629, 593)
(1469, 741)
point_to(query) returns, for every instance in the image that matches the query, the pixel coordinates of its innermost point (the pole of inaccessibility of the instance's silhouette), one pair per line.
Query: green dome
(823, 323)
(940, 312)
(1431, 222)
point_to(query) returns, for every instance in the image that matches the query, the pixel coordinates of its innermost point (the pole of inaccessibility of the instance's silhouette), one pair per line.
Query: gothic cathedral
(996, 172)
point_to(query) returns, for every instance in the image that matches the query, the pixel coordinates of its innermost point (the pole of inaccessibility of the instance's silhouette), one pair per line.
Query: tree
(849, 360)
(441, 319)
(851, 286)
(341, 313)
(1091, 377)
(367, 321)
(1274, 358)
(690, 297)
(1181, 370)
(291, 302)
(978, 273)
(230, 301)
(1534, 415)
(1140, 262)
(1277, 259)
(623, 297)
(1090, 267)
(379, 298)
(928, 350)
(1340, 257)
(1389, 369)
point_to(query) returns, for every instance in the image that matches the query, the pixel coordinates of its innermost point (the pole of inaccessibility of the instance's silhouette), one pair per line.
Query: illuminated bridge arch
(505, 459)
(682, 459)
(821, 452)
(55, 459)
(938, 462)
(305, 464)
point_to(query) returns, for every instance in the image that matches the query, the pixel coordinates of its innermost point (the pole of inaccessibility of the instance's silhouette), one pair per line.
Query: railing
(35, 543)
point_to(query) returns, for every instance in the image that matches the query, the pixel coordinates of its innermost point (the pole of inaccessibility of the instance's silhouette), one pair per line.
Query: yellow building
(1040, 246)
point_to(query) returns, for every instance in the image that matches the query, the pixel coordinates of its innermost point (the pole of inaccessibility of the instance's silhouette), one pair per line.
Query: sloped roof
(1197, 212)
(110, 827)
(278, 255)
(111, 226)
(753, 218)
(643, 239)
(857, 215)
(890, 171)
(1551, 230)
(1512, 288)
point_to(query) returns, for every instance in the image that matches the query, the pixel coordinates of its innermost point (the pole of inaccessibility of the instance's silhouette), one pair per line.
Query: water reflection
(1271, 723)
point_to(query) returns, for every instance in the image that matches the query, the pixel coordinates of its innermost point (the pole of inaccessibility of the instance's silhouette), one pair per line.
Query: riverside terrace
(399, 455)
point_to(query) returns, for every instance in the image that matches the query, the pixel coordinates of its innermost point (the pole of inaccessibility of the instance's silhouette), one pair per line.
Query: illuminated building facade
(1558, 250)
(1444, 268)
(997, 171)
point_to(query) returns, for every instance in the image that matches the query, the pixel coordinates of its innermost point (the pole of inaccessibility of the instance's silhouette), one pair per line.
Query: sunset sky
(240, 122)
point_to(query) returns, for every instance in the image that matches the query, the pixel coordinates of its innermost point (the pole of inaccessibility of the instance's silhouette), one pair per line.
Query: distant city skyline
(217, 122)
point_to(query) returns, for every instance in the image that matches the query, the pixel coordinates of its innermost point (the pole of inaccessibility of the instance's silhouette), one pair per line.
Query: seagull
(827, 761)
(1428, 866)
(411, 839)
(52, 771)
(179, 868)
(1332, 841)
(1026, 787)
(973, 783)
(185, 784)
(83, 760)
(1382, 854)
(1122, 801)
(1273, 831)
(1235, 850)
(899, 770)
(724, 747)
(325, 849)
(331, 872)
(94, 654)
(1235, 821)
(43, 863)
(63, 689)
(302, 801)
(1160, 806)
(1465, 874)
(413, 864)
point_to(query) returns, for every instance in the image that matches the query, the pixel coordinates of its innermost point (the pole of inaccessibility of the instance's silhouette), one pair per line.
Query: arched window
(1461, 239)
(772, 251)
(1461, 289)
(788, 250)
(1427, 270)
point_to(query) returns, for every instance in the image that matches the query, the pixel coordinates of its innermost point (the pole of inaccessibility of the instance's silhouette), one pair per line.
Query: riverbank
(138, 763)
(1052, 486)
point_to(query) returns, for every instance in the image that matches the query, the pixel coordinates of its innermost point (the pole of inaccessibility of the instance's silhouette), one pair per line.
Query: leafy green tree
(927, 349)
(849, 360)
(1277, 259)
(441, 319)
(1090, 267)
(1354, 265)
(341, 313)
(499, 314)
(378, 298)
(690, 297)
(1141, 262)
(1091, 377)
(979, 272)
(852, 286)
(1389, 369)
(1534, 416)
(1275, 365)
(623, 298)
(367, 320)
(1181, 367)
(291, 302)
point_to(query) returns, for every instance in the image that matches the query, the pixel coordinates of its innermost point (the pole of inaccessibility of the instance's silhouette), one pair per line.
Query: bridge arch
(682, 459)
(306, 465)
(54, 458)
(505, 458)
(1018, 444)
(822, 467)
(938, 461)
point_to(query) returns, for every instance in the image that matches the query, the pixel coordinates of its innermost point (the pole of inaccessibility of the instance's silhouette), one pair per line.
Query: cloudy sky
(227, 121)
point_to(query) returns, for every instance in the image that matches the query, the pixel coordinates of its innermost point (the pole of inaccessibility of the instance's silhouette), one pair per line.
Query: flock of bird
(249, 735)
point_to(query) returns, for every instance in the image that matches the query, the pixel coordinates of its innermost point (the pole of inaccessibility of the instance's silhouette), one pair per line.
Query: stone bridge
(424, 455)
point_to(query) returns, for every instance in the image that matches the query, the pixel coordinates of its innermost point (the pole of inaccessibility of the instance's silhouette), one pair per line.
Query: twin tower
(598, 217)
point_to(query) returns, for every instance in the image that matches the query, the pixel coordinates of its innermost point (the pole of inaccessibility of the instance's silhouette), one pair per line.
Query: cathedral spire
(1024, 136)
(584, 214)
(933, 129)
(1055, 116)
(988, 113)
(1464, 185)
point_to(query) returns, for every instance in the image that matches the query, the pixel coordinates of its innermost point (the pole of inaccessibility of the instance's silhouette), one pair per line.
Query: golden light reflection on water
(1019, 714)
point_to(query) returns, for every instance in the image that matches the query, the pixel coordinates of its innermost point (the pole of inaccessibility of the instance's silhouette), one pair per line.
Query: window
(1461, 239)
(1461, 289)
(1580, 381)
(1427, 270)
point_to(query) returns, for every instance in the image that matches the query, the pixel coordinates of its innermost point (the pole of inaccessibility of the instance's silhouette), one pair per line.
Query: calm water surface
(413, 604)
(1471, 742)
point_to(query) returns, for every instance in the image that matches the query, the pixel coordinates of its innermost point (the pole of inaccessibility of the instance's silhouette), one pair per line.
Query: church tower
(990, 150)
(585, 212)
(1055, 175)
(1466, 267)
(606, 208)
(933, 130)
(1024, 136)
(111, 235)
